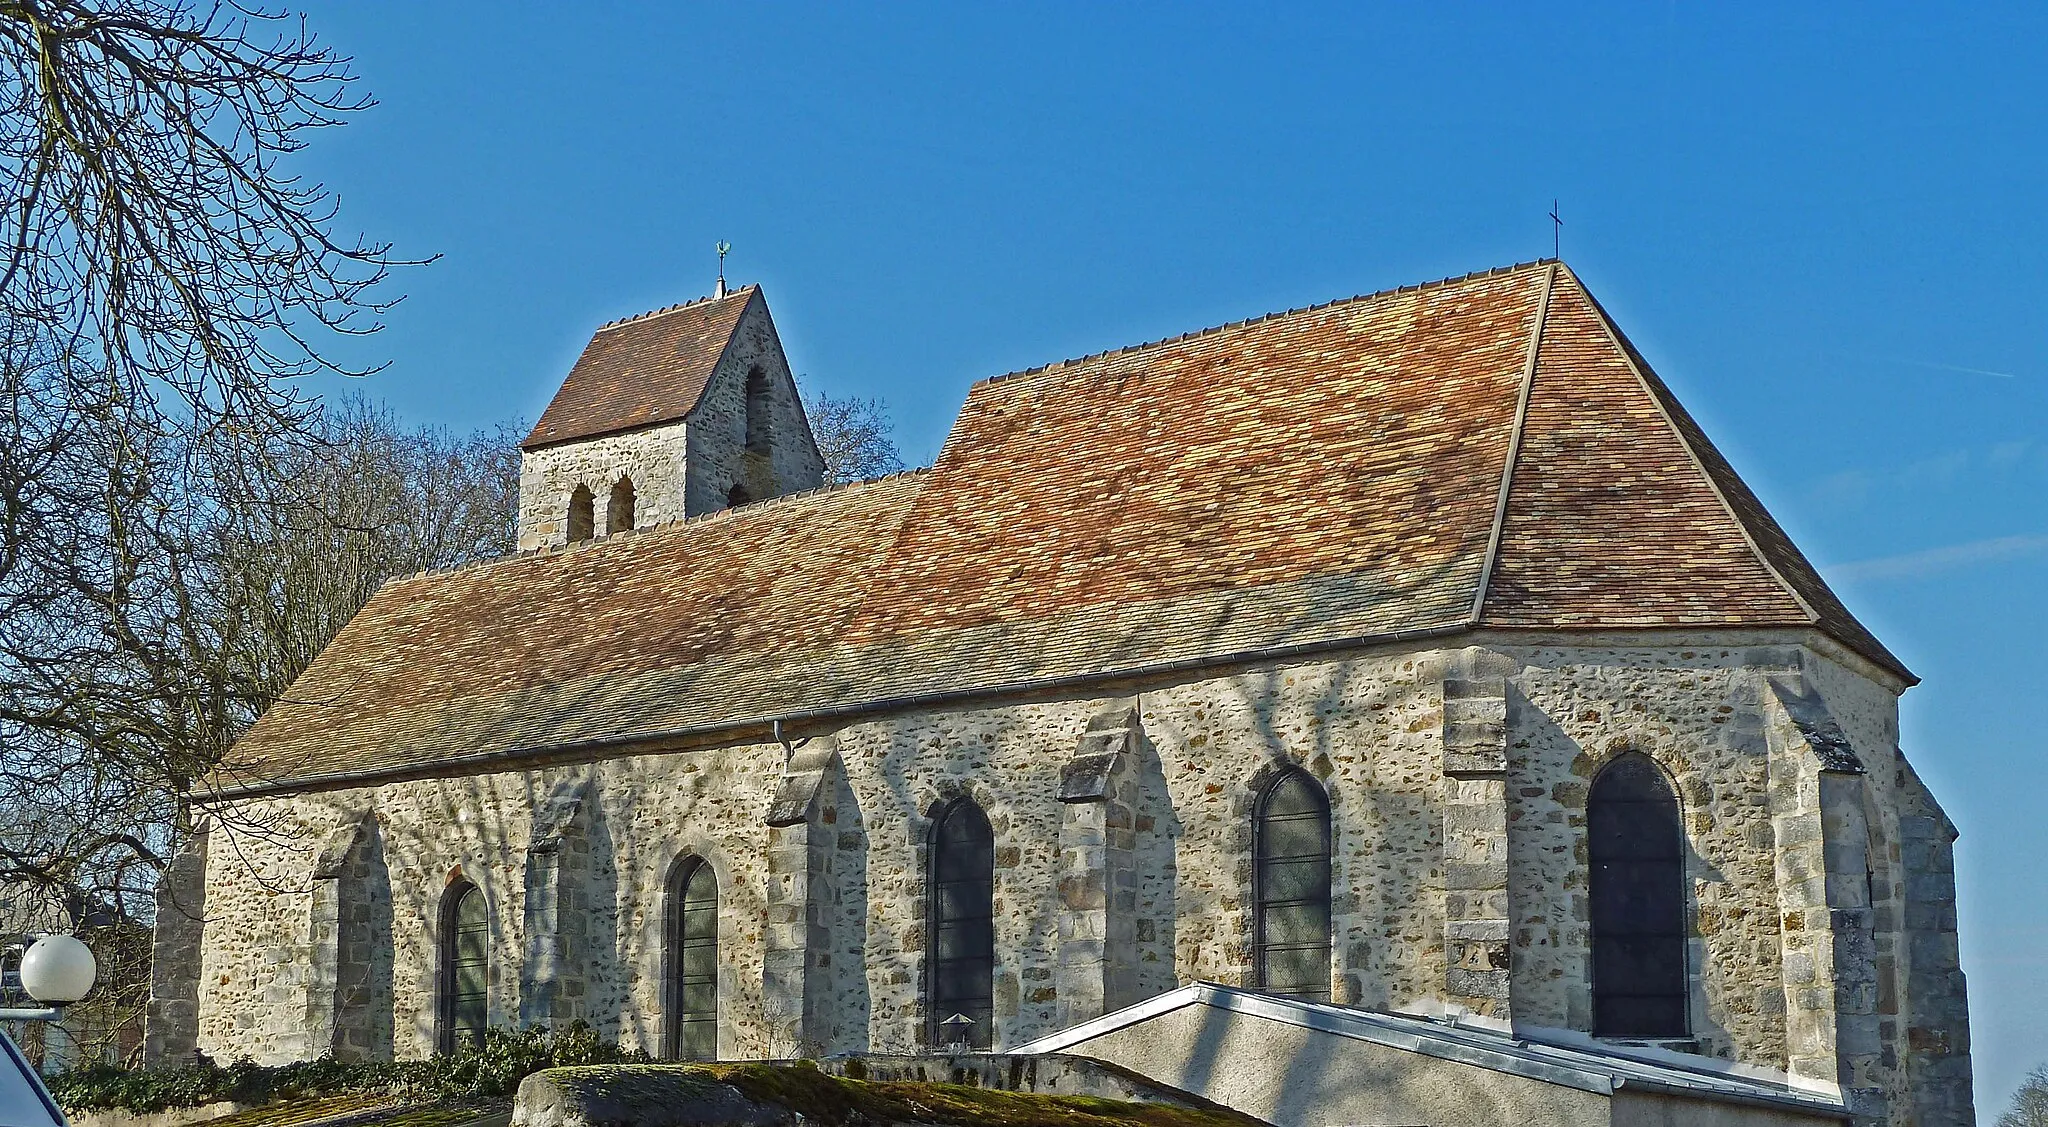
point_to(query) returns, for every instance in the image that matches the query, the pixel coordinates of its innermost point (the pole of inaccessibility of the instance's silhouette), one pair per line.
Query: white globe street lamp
(58, 970)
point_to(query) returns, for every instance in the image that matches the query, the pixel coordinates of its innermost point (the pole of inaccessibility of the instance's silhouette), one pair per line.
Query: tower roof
(1486, 452)
(643, 370)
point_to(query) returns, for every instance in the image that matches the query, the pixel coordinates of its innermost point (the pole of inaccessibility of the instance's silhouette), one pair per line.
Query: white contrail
(1938, 367)
(1933, 560)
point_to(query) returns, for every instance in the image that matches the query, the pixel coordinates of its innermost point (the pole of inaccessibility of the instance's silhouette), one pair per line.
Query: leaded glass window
(1636, 847)
(963, 944)
(465, 973)
(690, 997)
(1291, 887)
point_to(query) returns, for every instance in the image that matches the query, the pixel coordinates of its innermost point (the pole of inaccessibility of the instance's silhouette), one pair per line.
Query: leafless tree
(166, 280)
(246, 570)
(242, 573)
(854, 436)
(378, 500)
(2030, 1103)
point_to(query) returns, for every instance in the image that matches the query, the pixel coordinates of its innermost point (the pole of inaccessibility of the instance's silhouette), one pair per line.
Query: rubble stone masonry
(1821, 888)
(688, 467)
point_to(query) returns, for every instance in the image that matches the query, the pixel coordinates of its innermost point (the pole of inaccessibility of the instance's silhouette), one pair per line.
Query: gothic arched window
(961, 978)
(689, 1000)
(1291, 887)
(582, 515)
(618, 512)
(757, 410)
(1636, 849)
(464, 974)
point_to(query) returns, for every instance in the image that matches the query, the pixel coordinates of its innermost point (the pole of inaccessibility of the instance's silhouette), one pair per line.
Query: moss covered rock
(758, 1094)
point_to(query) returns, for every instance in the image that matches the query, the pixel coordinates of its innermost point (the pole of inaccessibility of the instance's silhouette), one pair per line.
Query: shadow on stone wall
(843, 964)
(1386, 835)
(604, 978)
(1573, 937)
(1157, 829)
(363, 1002)
(348, 973)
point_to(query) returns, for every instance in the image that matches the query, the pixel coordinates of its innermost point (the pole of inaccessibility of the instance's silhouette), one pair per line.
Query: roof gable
(1609, 519)
(643, 370)
(1769, 539)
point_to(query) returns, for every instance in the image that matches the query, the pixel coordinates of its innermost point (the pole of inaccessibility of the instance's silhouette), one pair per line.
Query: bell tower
(672, 414)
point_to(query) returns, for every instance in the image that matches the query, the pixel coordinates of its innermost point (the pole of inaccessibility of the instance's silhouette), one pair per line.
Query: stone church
(1413, 654)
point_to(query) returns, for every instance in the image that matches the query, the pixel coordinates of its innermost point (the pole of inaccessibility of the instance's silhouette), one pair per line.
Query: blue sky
(1825, 227)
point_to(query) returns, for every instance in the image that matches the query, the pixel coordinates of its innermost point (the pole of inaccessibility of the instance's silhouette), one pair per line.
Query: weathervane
(1556, 231)
(723, 249)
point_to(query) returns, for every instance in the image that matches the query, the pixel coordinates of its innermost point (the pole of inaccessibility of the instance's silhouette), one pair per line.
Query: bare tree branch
(854, 437)
(166, 280)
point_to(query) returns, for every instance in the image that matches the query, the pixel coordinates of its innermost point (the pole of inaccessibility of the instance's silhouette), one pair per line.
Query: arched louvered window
(690, 947)
(757, 411)
(618, 512)
(1636, 848)
(464, 975)
(961, 978)
(582, 515)
(1291, 887)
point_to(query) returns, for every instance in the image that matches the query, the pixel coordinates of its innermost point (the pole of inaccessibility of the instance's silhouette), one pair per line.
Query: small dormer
(671, 414)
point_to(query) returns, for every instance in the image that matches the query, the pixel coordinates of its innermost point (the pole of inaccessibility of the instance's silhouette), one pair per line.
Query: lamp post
(56, 970)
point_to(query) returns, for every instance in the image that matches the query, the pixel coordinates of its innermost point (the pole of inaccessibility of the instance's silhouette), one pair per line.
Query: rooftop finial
(723, 248)
(1556, 232)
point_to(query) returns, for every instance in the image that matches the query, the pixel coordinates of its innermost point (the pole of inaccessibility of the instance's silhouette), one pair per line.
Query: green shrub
(488, 1071)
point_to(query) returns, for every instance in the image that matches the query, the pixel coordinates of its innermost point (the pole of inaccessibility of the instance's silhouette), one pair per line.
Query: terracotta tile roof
(1621, 513)
(1308, 479)
(643, 370)
(1353, 450)
(1784, 558)
(1609, 521)
(631, 633)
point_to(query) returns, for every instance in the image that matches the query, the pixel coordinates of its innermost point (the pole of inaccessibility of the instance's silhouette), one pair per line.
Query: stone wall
(170, 1027)
(719, 457)
(686, 468)
(348, 996)
(1925, 997)
(1919, 990)
(651, 457)
(1457, 782)
(644, 815)
(1697, 714)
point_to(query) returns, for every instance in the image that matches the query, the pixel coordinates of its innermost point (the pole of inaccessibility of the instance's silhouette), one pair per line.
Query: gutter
(628, 744)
